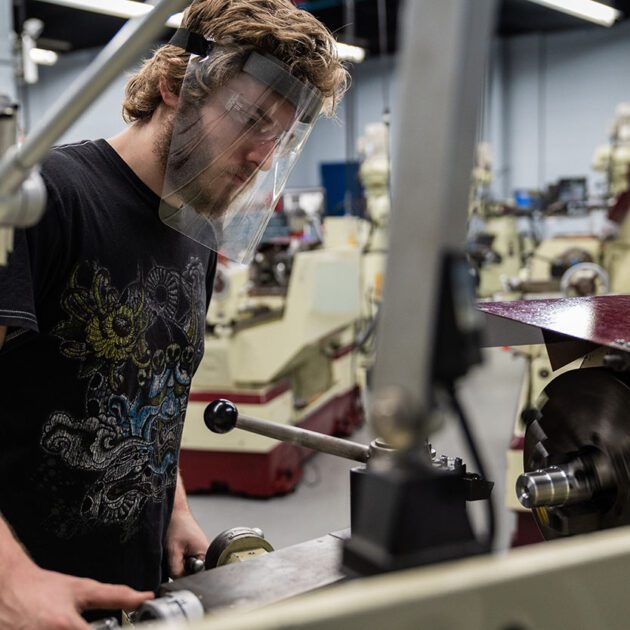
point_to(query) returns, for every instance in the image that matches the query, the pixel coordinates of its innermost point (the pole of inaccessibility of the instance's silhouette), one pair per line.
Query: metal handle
(222, 416)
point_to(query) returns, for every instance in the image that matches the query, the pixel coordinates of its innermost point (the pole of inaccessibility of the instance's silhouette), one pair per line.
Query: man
(102, 306)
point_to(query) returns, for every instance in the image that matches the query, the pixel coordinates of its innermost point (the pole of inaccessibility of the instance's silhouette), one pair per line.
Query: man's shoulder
(72, 155)
(69, 167)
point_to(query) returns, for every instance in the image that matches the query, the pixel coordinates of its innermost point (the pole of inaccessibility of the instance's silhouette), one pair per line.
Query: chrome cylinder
(574, 482)
(553, 486)
(176, 605)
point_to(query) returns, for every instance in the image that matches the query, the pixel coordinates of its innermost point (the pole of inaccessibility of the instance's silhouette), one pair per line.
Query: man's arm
(184, 537)
(36, 599)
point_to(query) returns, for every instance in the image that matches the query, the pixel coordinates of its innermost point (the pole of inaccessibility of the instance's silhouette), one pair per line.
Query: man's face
(217, 150)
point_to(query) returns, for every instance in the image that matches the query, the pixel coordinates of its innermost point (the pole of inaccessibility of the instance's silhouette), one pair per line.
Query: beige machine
(589, 254)
(492, 230)
(613, 159)
(280, 344)
(374, 173)
(575, 583)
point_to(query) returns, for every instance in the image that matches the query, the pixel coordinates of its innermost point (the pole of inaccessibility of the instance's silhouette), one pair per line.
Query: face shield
(240, 125)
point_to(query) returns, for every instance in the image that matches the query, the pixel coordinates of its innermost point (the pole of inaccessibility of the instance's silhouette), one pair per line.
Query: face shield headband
(240, 124)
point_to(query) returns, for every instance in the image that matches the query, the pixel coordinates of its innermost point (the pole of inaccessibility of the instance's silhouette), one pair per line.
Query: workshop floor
(321, 503)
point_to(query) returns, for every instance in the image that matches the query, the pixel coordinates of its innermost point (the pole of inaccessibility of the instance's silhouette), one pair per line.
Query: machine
(574, 444)
(613, 159)
(592, 263)
(415, 374)
(221, 582)
(494, 243)
(280, 343)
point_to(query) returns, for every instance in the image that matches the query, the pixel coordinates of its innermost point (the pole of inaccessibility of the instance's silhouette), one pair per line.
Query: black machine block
(407, 516)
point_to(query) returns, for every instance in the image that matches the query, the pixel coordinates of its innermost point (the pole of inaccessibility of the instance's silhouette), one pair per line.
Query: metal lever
(221, 416)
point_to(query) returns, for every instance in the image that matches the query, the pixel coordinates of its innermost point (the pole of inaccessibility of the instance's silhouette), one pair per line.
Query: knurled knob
(220, 416)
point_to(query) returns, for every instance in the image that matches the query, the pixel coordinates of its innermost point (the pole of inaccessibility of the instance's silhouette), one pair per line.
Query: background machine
(280, 344)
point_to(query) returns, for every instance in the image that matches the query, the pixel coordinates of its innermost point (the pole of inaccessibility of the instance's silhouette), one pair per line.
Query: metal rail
(123, 50)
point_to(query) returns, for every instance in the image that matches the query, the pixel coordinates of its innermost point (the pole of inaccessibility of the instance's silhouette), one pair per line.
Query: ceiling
(69, 29)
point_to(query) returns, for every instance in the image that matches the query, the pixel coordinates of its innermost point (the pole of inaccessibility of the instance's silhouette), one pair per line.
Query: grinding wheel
(583, 412)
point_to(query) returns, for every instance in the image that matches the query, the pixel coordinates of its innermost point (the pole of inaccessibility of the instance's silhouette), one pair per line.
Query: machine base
(406, 516)
(526, 531)
(279, 470)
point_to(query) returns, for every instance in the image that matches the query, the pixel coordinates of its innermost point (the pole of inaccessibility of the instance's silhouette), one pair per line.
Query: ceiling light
(347, 52)
(175, 20)
(117, 8)
(43, 57)
(585, 9)
(129, 9)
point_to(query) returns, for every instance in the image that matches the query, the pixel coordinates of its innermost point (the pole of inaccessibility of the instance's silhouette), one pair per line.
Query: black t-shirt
(106, 313)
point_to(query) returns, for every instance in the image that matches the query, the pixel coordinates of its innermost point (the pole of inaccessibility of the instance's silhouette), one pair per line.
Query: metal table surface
(270, 578)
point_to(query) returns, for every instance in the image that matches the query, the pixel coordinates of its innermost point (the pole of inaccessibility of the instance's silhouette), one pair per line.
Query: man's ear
(170, 98)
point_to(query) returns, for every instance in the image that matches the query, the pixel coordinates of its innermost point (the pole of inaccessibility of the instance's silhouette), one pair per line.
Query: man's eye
(252, 121)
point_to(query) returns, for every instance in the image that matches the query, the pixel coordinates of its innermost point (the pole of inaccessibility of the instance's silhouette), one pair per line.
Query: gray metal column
(444, 56)
(7, 76)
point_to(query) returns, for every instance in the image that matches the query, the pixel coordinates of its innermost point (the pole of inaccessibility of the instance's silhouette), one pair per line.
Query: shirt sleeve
(17, 304)
(29, 265)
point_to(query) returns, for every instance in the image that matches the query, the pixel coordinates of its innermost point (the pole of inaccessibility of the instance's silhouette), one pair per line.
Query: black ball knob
(220, 416)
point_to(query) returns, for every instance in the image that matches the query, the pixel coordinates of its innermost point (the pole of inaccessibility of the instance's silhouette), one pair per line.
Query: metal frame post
(446, 46)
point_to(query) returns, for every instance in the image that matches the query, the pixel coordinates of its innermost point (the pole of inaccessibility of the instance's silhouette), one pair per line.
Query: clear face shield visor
(234, 143)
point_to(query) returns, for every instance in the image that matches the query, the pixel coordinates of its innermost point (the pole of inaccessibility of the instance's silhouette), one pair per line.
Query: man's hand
(184, 538)
(34, 599)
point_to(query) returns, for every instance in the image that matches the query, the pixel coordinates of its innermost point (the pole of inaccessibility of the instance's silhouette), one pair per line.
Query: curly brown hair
(276, 27)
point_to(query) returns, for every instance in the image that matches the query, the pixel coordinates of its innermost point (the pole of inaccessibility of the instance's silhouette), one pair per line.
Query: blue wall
(560, 95)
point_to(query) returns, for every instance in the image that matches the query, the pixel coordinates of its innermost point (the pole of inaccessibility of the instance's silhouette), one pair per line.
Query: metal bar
(309, 439)
(124, 49)
(582, 581)
(266, 579)
(443, 63)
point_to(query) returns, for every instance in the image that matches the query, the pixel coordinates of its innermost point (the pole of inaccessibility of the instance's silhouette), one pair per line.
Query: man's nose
(261, 154)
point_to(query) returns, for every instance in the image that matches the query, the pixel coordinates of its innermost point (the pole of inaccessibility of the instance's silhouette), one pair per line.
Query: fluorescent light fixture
(43, 57)
(129, 9)
(586, 9)
(117, 8)
(175, 20)
(347, 52)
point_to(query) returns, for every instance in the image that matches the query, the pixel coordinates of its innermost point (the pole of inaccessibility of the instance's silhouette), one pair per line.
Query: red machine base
(275, 472)
(526, 531)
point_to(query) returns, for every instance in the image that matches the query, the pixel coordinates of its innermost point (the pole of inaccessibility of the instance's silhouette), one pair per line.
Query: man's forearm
(180, 502)
(11, 551)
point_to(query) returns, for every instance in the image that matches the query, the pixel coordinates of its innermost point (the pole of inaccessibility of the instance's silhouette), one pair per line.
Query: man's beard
(194, 179)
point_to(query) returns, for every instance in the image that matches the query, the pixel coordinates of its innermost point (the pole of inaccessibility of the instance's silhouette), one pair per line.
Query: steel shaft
(309, 439)
(573, 482)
